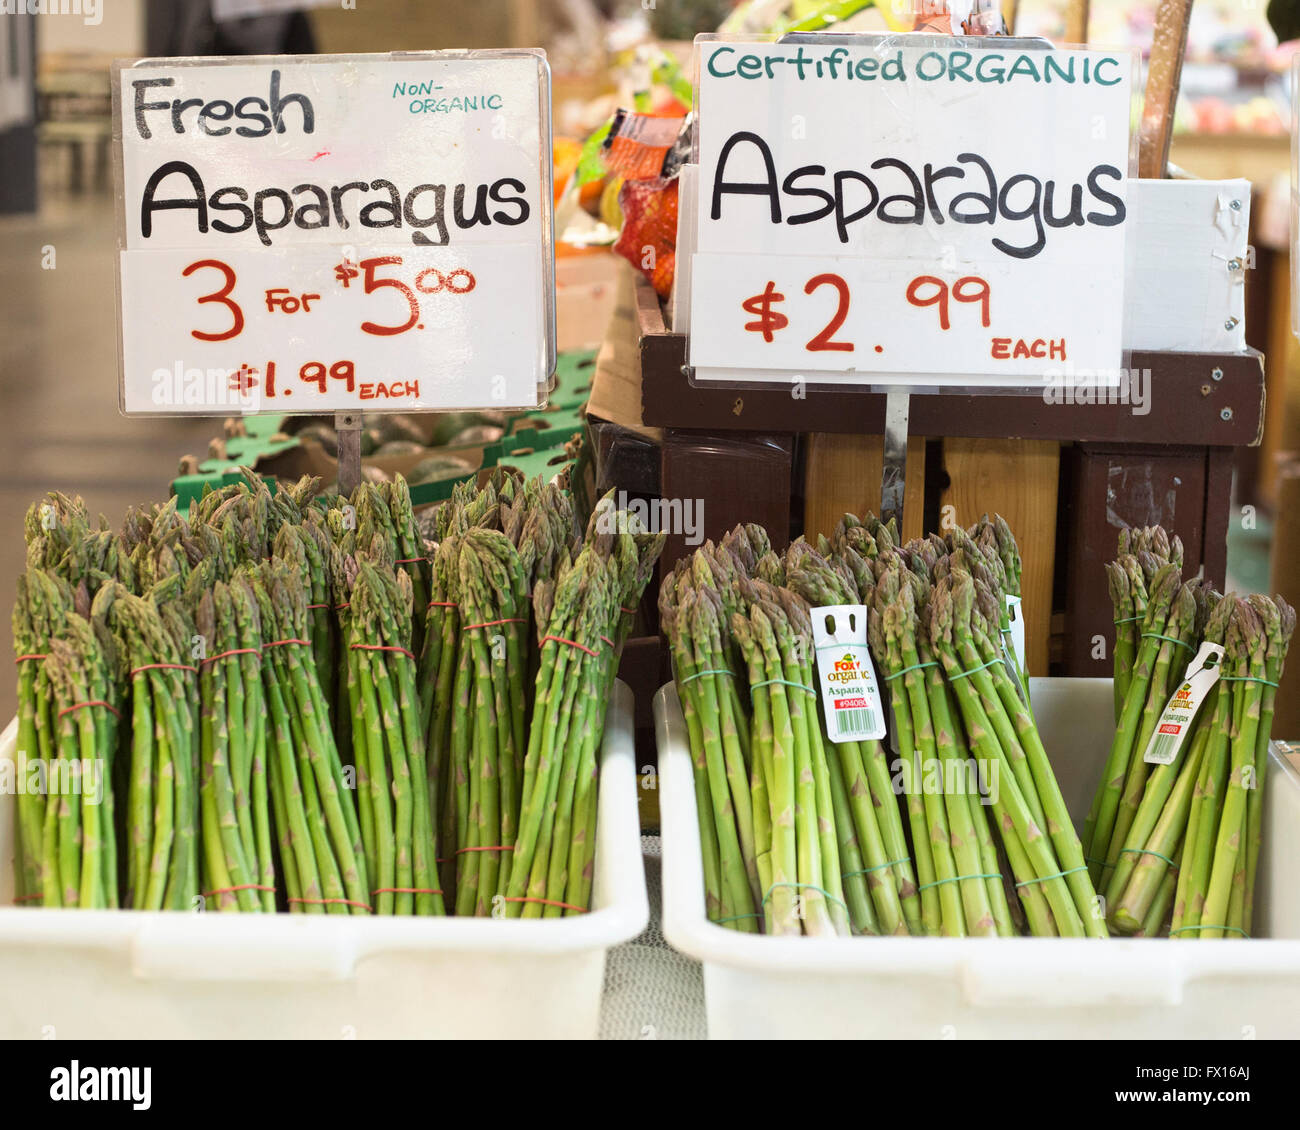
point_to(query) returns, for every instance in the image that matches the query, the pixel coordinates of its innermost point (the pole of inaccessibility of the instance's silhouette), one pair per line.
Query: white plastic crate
(761, 987)
(115, 973)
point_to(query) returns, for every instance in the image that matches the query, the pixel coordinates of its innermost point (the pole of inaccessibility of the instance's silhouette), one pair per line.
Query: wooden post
(1164, 75)
(1076, 23)
(1016, 478)
(1285, 580)
(842, 476)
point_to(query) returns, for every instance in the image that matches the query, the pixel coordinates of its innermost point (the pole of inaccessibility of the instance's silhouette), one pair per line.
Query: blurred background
(58, 345)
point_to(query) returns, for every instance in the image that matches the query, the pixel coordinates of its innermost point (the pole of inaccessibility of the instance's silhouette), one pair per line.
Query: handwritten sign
(885, 212)
(343, 233)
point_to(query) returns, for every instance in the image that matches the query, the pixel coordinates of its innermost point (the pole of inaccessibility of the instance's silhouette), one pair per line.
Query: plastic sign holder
(906, 213)
(334, 234)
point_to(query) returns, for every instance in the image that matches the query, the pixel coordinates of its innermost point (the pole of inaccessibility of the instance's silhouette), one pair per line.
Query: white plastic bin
(758, 987)
(116, 973)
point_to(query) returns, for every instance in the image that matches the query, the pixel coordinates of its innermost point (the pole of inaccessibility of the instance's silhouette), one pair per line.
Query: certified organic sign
(882, 212)
(343, 233)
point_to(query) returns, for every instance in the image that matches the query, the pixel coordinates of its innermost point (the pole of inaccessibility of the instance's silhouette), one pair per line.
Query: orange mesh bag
(649, 236)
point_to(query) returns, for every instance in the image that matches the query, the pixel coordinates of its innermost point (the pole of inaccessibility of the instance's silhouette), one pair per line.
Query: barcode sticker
(1180, 711)
(849, 691)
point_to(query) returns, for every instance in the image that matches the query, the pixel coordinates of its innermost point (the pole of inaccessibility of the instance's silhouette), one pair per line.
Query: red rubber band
(381, 647)
(493, 623)
(629, 611)
(407, 891)
(443, 604)
(461, 851)
(25, 898)
(241, 887)
(93, 702)
(34, 655)
(571, 643)
(279, 643)
(162, 667)
(410, 561)
(318, 605)
(606, 639)
(333, 902)
(345, 604)
(234, 651)
(551, 902)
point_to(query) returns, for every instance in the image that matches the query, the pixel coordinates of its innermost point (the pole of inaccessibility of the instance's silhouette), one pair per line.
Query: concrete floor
(59, 386)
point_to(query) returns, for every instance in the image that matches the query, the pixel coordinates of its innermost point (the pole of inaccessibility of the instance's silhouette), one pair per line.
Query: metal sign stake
(348, 426)
(898, 408)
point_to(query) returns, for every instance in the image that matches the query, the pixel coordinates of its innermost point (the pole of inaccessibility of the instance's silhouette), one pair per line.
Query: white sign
(917, 213)
(361, 233)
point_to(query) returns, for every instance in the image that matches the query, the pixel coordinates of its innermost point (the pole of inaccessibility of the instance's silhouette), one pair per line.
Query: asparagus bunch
(1170, 630)
(1141, 553)
(791, 836)
(39, 617)
(388, 743)
(1218, 900)
(874, 846)
(321, 851)
(1184, 835)
(961, 892)
(162, 853)
(79, 849)
(1140, 885)
(238, 869)
(1038, 837)
(306, 547)
(488, 756)
(966, 735)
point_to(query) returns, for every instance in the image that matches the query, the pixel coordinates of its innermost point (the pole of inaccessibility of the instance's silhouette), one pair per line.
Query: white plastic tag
(845, 675)
(1180, 711)
(1017, 629)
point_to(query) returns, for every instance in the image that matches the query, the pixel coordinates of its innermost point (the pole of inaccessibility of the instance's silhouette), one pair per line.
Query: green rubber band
(1049, 878)
(1128, 619)
(1099, 862)
(785, 683)
(974, 670)
(733, 918)
(914, 667)
(804, 886)
(710, 671)
(1171, 639)
(956, 879)
(1146, 851)
(878, 867)
(1230, 929)
(1246, 679)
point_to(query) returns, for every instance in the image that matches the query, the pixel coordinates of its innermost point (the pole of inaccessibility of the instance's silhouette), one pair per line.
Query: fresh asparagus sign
(343, 233)
(876, 209)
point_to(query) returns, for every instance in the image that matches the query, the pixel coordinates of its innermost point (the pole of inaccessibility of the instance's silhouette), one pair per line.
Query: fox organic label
(1180, 711)
(850, 694)
(338, 233)
(941, 214)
